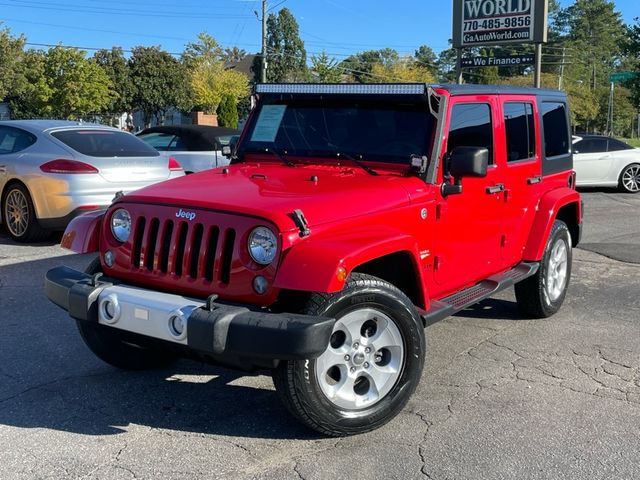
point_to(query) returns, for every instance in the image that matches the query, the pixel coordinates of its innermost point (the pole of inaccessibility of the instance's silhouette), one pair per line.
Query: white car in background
(601, 161)
(52, 171)
(195, 147)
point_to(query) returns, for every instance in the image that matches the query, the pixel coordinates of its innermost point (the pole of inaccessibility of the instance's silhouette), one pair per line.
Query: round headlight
(121, 225)
(263, 245)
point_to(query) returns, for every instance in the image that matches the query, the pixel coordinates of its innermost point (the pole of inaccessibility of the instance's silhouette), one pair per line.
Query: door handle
(495, 189)
(3, 169)
(534, 180)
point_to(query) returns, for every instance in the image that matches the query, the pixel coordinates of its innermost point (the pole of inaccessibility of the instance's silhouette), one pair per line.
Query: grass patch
(634, 142)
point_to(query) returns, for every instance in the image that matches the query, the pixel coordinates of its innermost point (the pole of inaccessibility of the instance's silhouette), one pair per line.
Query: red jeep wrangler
(351, 217)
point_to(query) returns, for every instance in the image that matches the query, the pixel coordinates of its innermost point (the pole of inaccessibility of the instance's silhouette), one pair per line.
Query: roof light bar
(344, 88)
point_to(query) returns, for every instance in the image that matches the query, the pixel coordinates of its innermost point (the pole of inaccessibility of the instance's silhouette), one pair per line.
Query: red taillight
(174, 164)
(67, 166)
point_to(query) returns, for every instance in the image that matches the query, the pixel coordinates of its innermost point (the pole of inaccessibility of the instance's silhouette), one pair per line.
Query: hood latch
(301, 222)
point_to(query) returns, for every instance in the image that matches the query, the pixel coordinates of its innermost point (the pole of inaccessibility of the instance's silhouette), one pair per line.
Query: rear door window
(616, 145)
(471, 127)
(556, 129)
(105, 143)
(13, 140)
(591, 145)
(520, 131)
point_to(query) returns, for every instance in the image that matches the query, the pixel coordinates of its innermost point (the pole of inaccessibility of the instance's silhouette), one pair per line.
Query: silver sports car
(52, 171)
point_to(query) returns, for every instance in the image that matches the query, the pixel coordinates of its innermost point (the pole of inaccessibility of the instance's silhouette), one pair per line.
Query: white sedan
(601, 161)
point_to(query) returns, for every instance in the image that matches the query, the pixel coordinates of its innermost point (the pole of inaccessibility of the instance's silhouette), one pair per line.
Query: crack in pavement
(52, 382)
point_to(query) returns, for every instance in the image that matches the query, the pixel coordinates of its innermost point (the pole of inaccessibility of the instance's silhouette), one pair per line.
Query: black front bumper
(213, 328)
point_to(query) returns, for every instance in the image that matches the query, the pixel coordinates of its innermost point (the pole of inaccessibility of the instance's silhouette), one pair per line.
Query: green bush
(228, 112)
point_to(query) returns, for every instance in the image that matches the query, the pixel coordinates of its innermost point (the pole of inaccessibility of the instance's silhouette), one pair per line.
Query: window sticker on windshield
(268, 123)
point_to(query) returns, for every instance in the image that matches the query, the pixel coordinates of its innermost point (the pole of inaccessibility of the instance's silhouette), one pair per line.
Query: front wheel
(630, 178)
(370, 368)
(542, 294)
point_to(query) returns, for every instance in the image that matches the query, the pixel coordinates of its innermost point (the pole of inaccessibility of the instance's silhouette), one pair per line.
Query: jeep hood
(324, 193)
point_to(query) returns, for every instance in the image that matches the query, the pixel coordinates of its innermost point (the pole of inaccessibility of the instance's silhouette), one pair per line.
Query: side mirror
(230, 149)
(465, 162)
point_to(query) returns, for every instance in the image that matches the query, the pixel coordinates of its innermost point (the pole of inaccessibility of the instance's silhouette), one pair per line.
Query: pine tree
(228, 112)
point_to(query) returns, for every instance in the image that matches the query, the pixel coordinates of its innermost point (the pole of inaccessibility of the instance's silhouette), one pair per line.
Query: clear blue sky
(340, 27)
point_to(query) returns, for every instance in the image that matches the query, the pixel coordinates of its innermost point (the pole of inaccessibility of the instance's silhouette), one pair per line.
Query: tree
(447, 59)
(360, 65)
(77, 86)
(632, 49)
(404, 70)
(205, 50)
(10, 54)
(209, 80)
(228, 112)
(326, 69)
(427, 58)
(115, 66)
(286, 55)
(583, 102)
(160, 83)
(29, 97)
(234, 54)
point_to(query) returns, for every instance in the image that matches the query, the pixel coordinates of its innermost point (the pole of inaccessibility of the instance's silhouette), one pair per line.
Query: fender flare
(83, 233)
(313, 264)
(546, 213)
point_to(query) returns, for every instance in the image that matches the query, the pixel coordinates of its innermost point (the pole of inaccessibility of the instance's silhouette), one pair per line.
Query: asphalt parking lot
(500, 397)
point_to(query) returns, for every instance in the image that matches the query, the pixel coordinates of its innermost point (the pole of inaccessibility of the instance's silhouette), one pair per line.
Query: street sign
(623, 76)
(496, 22)
(509, 61)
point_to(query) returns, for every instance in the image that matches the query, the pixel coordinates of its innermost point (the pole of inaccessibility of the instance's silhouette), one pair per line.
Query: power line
(276, 5)
(121, 12)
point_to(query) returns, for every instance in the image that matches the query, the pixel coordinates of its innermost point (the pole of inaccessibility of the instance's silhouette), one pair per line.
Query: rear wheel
(110, 346)
(542, 294)
(19, 216)
(630, 178)
(370, 368)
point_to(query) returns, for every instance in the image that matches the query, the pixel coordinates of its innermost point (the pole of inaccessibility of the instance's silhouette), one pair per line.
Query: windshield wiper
(277, 154)
(359, 163)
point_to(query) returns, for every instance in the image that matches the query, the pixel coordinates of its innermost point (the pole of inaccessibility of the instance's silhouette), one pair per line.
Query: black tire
(629, 181)
(108, 344)
(19, 215)
(539, 296)
(297, 381)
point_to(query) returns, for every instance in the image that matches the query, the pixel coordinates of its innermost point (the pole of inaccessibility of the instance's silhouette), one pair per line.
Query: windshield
(380, 132)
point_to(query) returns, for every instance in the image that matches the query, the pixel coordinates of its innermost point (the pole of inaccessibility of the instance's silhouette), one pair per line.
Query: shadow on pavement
(49, 378)
(492, 309)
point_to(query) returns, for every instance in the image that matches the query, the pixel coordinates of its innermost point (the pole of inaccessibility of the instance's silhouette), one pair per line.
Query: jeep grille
(183, 249)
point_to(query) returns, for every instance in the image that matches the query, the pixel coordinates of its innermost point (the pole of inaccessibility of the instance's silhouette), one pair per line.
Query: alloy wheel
(631, 178)
(363, 361)
(17, 212)
(557, 270)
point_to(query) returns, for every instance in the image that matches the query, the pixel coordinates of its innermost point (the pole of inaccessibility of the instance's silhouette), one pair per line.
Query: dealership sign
(510, 61)
(496, 22)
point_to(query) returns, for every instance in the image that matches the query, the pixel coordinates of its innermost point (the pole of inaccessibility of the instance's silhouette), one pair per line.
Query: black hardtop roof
(204, 130)
(398, 89)
(474, 89)
(196, 137)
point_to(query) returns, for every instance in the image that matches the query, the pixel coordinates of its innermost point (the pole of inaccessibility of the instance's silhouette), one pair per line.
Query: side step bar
(444, 307)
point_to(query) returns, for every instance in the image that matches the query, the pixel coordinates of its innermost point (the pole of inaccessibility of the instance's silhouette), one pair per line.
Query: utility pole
(609, 129)
(537, 72)
(459, 79)
(564, 49)
(263, 69)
